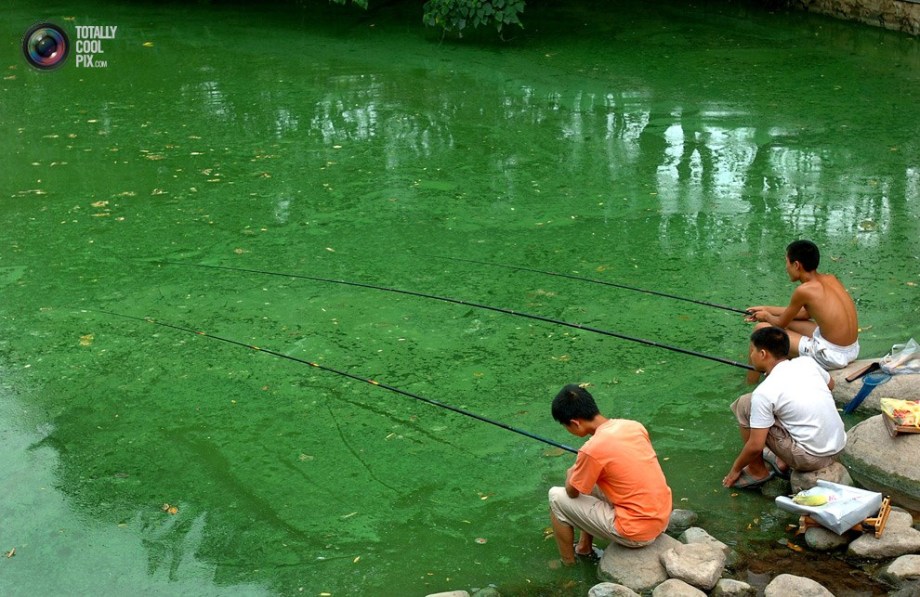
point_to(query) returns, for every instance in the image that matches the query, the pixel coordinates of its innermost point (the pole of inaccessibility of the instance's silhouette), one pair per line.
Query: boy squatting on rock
(820, 318)
(616, 488)
(790, 420)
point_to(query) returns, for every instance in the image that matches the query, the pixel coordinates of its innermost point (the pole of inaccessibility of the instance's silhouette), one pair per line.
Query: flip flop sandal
(770, 458)
(749, 481)
(594, 556)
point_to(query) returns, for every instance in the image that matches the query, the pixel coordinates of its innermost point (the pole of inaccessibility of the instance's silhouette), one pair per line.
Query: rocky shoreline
(687, 561)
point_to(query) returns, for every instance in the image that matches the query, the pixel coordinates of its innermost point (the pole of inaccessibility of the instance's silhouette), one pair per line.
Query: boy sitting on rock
(616, 488)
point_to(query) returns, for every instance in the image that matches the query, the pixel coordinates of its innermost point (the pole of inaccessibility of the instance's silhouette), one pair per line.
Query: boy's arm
(569, 489)
(752, 448)
(783, 316)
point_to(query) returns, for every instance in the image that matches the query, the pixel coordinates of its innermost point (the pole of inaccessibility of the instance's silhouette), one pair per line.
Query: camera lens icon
(45, 46)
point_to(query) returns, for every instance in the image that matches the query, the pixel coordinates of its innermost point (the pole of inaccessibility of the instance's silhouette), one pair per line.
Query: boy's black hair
(805, 252)
(574, 402)
(772, 339)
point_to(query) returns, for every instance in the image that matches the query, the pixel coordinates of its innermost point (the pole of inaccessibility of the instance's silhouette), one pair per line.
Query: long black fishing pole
(447, 299)
(597, 281)
(344, 374)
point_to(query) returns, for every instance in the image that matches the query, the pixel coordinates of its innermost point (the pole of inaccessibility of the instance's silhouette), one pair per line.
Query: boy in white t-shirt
(790, 420)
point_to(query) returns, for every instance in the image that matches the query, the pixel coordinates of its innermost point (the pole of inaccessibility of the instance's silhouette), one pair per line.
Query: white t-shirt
(795, 396)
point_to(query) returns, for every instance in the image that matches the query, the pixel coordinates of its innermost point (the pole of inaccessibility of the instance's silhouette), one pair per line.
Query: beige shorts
(592, 514)
(779, 440)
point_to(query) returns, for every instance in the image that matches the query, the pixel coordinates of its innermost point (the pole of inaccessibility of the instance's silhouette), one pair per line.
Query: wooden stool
(874, 525)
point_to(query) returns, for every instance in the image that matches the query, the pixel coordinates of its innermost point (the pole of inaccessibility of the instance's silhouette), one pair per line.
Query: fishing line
(372, 382)
(597, 281)
(446, 299)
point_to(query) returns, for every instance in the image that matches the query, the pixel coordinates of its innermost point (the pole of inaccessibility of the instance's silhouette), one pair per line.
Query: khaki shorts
(592, 514)
(779, 440)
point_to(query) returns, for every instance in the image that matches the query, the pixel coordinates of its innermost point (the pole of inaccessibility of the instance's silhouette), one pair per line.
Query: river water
(672, 147)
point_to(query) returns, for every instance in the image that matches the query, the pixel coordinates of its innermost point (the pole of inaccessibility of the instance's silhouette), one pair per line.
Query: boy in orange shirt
(616, 488)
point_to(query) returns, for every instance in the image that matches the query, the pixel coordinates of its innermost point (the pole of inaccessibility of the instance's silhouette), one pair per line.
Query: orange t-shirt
(619, 459)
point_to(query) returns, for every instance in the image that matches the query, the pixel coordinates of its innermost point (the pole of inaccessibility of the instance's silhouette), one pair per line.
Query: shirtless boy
(820, 318)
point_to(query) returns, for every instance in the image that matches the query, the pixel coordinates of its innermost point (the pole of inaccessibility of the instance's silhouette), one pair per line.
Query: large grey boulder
(899, 538)
(906, 387)
(786, 585)
(639, 569)
(879, 462)
(697, 564)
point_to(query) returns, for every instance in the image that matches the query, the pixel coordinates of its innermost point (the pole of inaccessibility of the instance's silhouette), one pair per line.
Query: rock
(609, 589)
(906, 387)
(639, 569)
(449, 594)
(676, 588)
(487, 592)
(681, 520)
(821, 539)
(902, 569)
(835, 473)
(785, 585)
(775, 487)
(697, 564)
(898, 539)
(879, 462)
(728, 587)
(698, 535)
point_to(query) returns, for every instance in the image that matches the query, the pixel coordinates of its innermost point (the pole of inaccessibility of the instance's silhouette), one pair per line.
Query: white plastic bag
(846, 507)
(903, 358)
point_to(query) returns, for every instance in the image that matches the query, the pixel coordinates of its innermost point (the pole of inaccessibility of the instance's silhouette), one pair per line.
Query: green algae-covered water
(677, 148)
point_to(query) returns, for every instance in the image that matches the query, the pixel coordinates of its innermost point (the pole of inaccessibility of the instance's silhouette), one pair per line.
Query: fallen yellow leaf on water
(173, 510)
(148, 44)
(86, 340)
(356, 560)
(11, 553)
(553, 452)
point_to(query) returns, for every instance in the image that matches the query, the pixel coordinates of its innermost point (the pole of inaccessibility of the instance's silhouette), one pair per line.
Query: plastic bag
(902, 412)
(903, 358)
(846, 506)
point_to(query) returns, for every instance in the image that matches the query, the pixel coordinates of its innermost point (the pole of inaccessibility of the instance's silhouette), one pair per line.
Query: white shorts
(828, 355)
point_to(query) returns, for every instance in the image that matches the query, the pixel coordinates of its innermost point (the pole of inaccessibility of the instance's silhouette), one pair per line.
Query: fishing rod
(597, 281)
(447, 299)
(372, 382)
